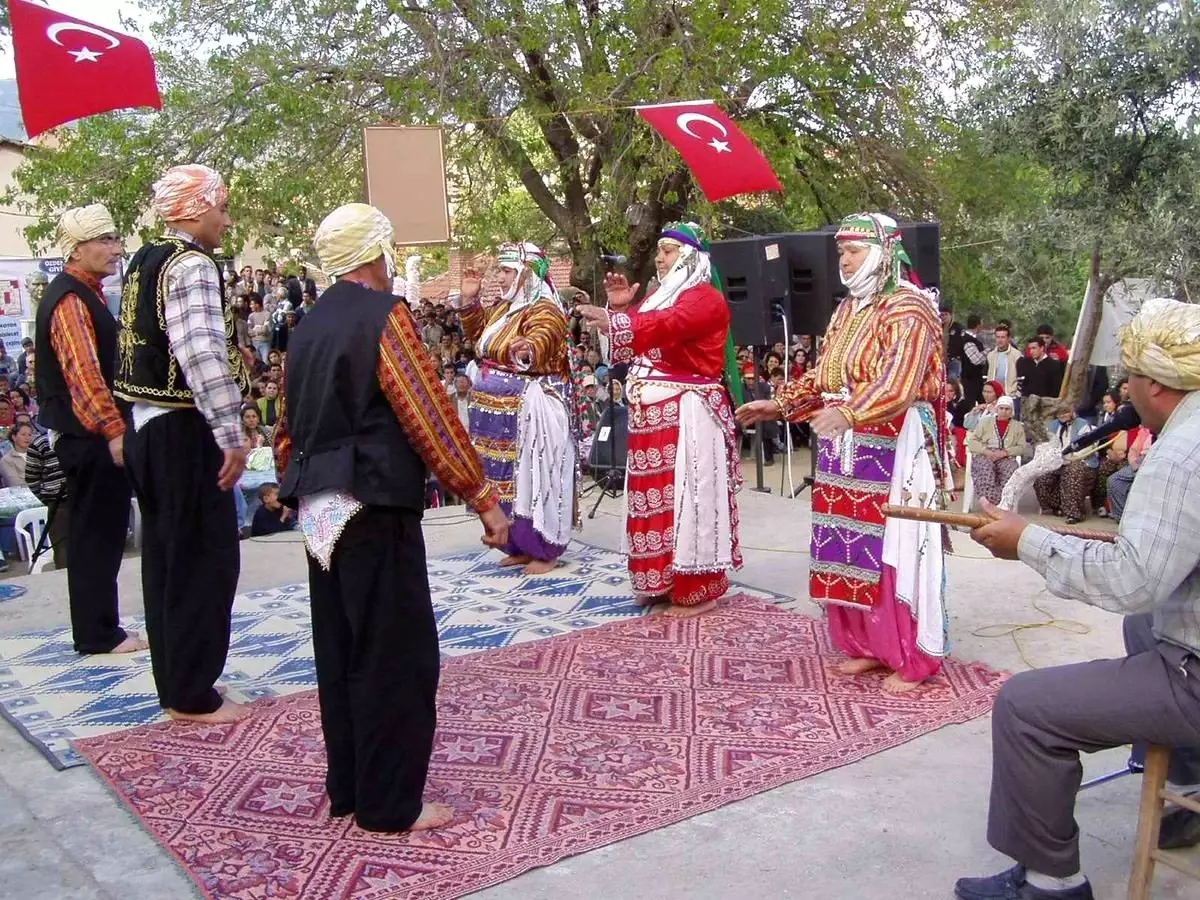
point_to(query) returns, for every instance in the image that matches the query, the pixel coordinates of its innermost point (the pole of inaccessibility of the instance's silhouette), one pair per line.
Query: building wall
(12, 220)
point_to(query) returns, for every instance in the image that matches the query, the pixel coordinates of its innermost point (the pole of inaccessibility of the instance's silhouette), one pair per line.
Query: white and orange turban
(188, 192)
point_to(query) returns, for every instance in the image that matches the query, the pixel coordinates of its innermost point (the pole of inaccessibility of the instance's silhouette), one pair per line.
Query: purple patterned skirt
(494, 410)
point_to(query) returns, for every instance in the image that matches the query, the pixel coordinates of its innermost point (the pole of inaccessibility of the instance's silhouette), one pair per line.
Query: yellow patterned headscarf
(352, 236)
(82, 224)
(1163, 342)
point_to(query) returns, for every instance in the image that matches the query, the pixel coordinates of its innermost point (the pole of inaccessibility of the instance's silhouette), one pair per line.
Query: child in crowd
(271, 517)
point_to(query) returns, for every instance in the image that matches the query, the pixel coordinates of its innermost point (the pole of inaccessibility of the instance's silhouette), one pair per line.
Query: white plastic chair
(29, 526)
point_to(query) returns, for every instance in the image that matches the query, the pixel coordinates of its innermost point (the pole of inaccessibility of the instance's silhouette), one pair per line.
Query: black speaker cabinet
(813, 283)
(922, 240)
(754, 271)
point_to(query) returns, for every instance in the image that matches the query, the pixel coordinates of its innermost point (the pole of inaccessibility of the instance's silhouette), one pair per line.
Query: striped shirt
(417, 396)
(195, 321)
(543, 325)
(43, 472)
(886, 354)
(1155, 563)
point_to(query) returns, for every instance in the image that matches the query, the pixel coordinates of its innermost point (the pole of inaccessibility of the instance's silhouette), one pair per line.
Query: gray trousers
(1119, 483)
(1043, 719)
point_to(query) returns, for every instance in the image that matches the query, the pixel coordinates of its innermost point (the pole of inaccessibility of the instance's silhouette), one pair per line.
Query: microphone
(613, 259)
(1124, 419)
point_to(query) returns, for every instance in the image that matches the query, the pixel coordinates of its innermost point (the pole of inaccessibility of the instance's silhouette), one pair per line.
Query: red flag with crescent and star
(68, 69)
(722, 159)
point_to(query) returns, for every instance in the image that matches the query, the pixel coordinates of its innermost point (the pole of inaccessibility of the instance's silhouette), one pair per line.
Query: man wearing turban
(365, 413)
(520, 408)
(76, 342)
(1043, 719)
(179, 366)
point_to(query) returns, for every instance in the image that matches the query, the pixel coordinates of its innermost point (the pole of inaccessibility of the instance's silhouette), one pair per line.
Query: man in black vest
(973, 363)
(76, 347)
(179, 365)
(364, 414)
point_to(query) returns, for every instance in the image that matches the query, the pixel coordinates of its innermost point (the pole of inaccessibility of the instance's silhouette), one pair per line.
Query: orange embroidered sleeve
(415, 391)
(74, 341)
(912, 337)
(473, 320)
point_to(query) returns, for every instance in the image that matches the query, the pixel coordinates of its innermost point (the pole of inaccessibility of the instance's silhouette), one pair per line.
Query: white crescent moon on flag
(55, 30)
(685, 124)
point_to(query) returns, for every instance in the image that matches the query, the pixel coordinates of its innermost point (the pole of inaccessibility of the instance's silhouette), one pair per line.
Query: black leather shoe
(1180, 828)
(1011, 885)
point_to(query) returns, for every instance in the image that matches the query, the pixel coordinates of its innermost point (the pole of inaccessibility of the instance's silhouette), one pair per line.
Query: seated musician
(1044, 718)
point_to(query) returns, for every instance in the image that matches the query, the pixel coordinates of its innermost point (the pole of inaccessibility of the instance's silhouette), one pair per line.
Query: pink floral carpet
(545, 750)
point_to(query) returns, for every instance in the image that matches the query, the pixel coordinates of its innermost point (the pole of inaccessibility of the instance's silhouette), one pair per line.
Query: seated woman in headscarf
(684, 468)
(876, 400)
(520, 408)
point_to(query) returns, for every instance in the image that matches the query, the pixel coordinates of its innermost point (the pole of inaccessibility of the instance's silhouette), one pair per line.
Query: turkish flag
(723, 160)
(68, 69)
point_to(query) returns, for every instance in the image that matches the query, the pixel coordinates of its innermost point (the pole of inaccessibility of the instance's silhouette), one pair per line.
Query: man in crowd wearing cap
(365, 413)
(179, 365)
(1043, 719)
(77, 346)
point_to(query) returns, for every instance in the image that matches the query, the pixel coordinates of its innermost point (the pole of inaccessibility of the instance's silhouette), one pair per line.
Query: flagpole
(676, 103)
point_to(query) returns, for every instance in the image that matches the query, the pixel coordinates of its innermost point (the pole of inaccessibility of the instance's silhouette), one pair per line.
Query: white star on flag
(83, 54)
(719, 146)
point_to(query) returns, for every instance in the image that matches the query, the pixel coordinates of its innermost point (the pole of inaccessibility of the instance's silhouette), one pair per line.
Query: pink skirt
(886, 632)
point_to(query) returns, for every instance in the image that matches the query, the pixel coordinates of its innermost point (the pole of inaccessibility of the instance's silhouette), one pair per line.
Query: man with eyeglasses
(76, 346)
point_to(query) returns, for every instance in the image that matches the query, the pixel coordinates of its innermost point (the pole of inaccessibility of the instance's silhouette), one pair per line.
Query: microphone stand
(612, 480)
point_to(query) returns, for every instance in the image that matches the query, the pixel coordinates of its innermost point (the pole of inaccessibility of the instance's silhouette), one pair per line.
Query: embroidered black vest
(147, 370)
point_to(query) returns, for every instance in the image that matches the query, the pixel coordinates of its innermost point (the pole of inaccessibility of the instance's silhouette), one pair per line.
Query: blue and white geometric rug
(52, 695)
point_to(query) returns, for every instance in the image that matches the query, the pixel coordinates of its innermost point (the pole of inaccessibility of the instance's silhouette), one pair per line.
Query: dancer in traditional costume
(77, 360)
(871, 398)
(684, 468)
(179, 365)
(365, 413)
(521, 407)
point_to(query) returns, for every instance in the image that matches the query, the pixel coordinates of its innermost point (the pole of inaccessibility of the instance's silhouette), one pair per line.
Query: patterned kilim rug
(544, 751)
(52, 695)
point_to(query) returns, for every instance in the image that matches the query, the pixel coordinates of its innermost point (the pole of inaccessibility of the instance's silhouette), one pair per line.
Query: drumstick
(978, 520)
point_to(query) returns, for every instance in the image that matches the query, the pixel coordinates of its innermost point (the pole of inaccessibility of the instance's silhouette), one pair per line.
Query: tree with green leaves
(1099, 98)
(842, 97)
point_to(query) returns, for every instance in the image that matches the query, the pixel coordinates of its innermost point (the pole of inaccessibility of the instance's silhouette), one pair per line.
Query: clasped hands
(828, 423)
(495, 527)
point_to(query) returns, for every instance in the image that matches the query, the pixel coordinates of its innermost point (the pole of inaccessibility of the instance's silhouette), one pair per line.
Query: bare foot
(509, 561)
(540, 566)
(433, 815)
(224, 714)
(688, 612)
(896, 685)
(858, 666)
(131, 644)
(643, 600)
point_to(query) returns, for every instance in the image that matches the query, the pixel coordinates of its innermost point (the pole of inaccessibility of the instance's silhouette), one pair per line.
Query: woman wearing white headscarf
(520, 408)
(684, 469)
(876, 400)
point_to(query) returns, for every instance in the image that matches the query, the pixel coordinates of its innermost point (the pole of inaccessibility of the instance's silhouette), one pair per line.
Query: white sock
(1050, 883)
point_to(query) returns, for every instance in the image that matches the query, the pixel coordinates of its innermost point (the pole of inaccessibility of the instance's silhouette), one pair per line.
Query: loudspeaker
(813, 283)
(755, 275)
(923, 242)
(610, 447)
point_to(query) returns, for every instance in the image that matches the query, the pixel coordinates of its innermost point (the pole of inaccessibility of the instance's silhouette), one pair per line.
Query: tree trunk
(1076, 382)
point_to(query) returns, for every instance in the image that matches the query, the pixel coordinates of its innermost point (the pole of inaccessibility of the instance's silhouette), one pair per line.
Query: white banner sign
(17, 305)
